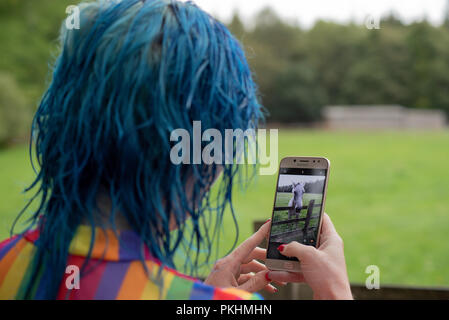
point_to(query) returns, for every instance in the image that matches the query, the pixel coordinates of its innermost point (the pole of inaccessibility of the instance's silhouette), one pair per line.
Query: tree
(446, 15)
(14, 115)
(236, 26)
(298, 96)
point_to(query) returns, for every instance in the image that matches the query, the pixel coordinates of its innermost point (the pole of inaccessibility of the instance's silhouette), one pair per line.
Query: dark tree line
(299, 71)
(310, 187)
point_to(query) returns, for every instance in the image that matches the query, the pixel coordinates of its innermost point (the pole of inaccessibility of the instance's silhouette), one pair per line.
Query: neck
(102, 217)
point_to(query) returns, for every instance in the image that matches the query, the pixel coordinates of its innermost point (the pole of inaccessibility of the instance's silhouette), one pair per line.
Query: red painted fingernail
(267, 277)
(281, 247)
(267, 221)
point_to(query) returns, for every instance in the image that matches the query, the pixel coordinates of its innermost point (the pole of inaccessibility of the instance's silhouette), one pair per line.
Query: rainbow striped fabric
(114, 271)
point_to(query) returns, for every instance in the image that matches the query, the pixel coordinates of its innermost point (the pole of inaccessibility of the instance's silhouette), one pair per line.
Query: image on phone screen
(297, 208)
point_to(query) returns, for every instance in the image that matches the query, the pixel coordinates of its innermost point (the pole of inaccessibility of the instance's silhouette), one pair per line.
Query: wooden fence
(306, 228)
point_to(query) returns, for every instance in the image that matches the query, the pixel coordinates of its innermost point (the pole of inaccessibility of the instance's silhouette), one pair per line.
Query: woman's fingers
(284, 276)
(300, 251)
(253, 266)
(245, 277)
(327, 227)
(241, 253)
(270, 288)
(256, 266)
(257, 253)
(255, 283)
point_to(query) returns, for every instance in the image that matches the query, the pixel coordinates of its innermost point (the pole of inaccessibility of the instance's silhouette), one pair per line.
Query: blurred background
(363, 83)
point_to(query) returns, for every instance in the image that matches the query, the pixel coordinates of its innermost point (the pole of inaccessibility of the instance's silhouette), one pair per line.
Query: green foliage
(29, 38)
(14, 115)
(29, 31)
(298, 97)
(299, 71)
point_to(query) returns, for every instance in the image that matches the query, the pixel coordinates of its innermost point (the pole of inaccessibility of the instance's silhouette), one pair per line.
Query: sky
(305, 13)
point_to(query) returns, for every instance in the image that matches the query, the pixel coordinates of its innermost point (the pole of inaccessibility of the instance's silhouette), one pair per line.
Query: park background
(388, 190)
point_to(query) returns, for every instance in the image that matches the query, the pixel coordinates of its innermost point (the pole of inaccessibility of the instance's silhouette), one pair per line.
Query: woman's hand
(323, 269)
(240, 269)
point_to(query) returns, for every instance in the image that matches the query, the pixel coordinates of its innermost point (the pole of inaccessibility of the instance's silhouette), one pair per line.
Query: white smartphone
(298, 207)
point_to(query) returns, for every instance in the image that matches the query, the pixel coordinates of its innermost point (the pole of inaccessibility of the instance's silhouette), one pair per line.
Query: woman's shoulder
(179, 286)
(10, 249)
(160, 284)
(205, 292)
(197, 290)
(111, 279)
(15, 257)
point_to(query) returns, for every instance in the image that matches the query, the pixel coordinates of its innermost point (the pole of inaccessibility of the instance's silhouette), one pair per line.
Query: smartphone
(298, 207)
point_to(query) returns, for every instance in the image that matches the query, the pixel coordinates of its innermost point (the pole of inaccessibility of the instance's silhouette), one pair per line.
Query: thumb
(298, 250)
(256, 282)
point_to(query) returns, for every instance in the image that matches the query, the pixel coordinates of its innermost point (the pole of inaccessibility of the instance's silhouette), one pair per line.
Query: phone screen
(297, 209)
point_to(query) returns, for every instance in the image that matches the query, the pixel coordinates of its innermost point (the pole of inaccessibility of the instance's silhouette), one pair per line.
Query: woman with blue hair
(109, 202)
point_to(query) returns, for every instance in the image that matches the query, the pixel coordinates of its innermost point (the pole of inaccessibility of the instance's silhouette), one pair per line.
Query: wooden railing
(306, 219)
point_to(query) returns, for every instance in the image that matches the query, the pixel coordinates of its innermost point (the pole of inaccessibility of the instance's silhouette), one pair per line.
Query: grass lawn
(388, 197)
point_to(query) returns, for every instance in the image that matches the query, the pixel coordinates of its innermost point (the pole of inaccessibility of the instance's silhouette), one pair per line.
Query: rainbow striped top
(115, 271)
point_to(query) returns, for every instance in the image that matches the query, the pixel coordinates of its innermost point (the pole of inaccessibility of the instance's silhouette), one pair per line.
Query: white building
(382, 117)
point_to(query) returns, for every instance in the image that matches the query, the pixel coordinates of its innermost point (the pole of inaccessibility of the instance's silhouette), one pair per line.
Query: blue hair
(132, 73)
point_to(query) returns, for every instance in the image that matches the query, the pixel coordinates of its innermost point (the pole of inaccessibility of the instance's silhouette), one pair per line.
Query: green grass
(15, 175)
(388, 198)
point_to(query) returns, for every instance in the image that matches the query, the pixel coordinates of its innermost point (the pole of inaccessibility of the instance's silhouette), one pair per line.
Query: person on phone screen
(111, 211)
